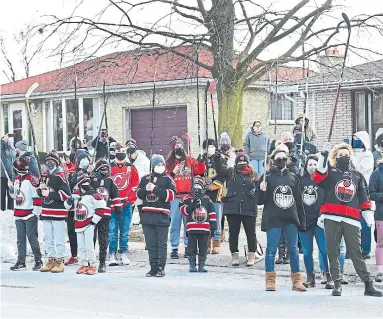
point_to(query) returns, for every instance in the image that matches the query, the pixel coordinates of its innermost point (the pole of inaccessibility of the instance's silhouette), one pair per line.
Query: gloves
(326, 148)
(263, 186)
(150, 187)
(224, 199)
(201, 158)
(70, 200)
(192, 206)
(252, 192)
(217, 155)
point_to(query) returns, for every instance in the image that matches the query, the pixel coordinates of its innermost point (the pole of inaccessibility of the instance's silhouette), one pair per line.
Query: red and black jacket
(125, 176)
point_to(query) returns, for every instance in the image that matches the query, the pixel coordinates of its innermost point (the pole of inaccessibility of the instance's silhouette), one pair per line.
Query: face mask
(112, 156)
(311, 170)
(159, 169)
(280, 163)
(51, 165)
(356, 144)
(210, 150)
(297, 139)
(131, 150)
(84, 188)
(178, 151)
(290, 145)
(120, 156)
(84, 163)
(343, 162)
(103, 172)
(225, 147)
(198, 192)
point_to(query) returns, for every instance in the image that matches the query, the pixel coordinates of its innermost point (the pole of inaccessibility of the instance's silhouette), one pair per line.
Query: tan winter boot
(49, 265)
(250, 259)
(223, 236)
(297, 282)
(270, 281)
(216, 247)
(209, 245)
(59, 267)
(235, 259)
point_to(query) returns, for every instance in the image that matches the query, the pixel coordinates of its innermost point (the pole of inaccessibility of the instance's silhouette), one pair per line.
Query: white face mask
(211, 150)
(84, 163)
(159, 169)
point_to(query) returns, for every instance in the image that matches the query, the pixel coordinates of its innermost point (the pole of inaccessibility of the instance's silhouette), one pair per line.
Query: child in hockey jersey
(102, 182)
(201, 221)
(89, 208)
(26, 212)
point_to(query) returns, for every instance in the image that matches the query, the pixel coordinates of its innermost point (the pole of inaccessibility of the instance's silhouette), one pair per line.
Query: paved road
(125, 292)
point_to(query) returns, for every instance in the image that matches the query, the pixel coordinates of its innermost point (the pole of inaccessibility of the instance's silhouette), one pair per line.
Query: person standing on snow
(256, 143)
(103, 141)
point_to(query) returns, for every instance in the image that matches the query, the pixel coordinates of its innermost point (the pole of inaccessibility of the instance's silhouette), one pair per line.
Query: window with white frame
(282, 109)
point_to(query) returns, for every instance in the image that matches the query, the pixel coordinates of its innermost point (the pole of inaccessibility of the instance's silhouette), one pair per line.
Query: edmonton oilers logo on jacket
(310, 195)
(81, 212)
(345, 190)
(199, 215)
(103, 192)
(47, 200)
(283, 196)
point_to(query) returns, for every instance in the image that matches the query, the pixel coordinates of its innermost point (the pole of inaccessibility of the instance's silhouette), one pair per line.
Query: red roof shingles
(125, 68)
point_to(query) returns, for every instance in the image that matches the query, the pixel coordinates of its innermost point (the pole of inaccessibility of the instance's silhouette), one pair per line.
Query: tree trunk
(230, 99)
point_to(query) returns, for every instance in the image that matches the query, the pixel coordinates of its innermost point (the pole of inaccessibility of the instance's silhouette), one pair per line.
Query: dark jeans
(366, 236)
(248, 223)
(72, 233)
(273, 235)
(200, 240)
(27, 229)
(6, 199)
(334, 232)
(156, 238)
(102, 230)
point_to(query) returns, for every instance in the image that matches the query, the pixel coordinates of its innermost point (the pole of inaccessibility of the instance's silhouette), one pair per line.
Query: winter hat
(297, 128)
(301, 116)
(80, 154)
(210, 141)
(53, 156)
(157, 159)
(225, 139)
(82, 180)
(175, 140)
(131, 143)
(21, 165)
(241, 155)
(22, 145)
(102, 165)
(198, 180)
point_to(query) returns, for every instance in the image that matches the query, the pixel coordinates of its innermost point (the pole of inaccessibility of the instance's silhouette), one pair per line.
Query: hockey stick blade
(31, 89)
(212, 86)
(347, 20)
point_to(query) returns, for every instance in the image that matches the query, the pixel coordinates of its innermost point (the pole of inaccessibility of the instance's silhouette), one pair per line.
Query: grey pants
(334, 232)
(27, 229)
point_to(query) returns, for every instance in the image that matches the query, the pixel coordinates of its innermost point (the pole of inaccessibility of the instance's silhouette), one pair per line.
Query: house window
(89, 125)
(58, 125)
(72, 120)
(283, 109)
(360, 111)
(5, 117)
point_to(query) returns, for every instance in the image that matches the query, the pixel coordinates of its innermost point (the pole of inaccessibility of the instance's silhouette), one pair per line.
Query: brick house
(129, 86)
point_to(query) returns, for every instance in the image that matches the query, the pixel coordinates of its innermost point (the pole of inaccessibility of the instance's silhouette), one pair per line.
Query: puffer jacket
(376, 191)
(255, 144)
(7, 157)
(142, 164)
(363, 160)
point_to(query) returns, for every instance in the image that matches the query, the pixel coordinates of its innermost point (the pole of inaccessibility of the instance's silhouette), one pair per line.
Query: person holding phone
(7, 159)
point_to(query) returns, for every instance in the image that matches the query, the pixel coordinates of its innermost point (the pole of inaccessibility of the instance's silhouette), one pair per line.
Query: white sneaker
(125, 260)
(112, 260)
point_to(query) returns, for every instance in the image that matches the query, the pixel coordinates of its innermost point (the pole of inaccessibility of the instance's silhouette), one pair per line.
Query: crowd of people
(334, 195)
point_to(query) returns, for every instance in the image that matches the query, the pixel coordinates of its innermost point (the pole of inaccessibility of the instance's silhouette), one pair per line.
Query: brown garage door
(167, 122)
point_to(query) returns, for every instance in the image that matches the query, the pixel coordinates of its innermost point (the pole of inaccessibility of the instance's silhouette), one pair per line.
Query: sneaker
(59, 267)
(366, 256)
(124, 259)
(152, 272)
(49, 265)
(38, 265)
(19, 266)
(160, 272)
(71, 261)
(91, 270)
(102, 268)
(174, 254)
(112, 260)
(82, 270)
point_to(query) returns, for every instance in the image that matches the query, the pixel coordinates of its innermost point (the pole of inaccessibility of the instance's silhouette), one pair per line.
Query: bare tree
(238, 34)
(8, 68)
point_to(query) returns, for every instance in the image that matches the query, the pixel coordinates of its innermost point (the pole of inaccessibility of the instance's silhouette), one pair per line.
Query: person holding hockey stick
(26, 212)
(157, 190)
(283, 210)
(102, 182)
(201, 222)
(346, 200)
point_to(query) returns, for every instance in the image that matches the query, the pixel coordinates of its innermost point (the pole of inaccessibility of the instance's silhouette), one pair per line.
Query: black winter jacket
(376, 191)
(217, 179)
(282, 200)
(102, 147)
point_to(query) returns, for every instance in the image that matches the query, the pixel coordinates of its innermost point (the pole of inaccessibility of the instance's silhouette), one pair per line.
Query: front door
(17, 122)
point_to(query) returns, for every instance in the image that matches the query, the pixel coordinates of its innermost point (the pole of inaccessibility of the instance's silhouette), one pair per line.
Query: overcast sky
(15, 14)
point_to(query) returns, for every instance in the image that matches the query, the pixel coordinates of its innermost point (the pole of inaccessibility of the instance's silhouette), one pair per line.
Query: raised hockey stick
(206, 123)
(186, 137)
(153, 113)
(5, 171)
(347, 20)
(276, 99)
(211, 90)
(27, 95)
(198, 111)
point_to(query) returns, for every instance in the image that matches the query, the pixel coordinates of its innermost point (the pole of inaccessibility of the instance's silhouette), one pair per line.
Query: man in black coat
(102, 142)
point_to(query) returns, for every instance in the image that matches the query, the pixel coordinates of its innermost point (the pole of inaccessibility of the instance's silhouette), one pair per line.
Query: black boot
(102, 267)
(281, 252)
(19, 266)
(160, 272)
(370, 290)
(38, 265)
(202, 264)
(186, 253)
(192, 264)
(174, 254)
(152, 272)
(286, 258)
(337, 291)
(310, 282)
(329, 283)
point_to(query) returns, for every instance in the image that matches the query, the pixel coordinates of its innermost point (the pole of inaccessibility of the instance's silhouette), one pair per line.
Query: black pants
(156, 238)
(197, 245)
(248, 223)
(72, 233)
(102, 230)
(6, 199)
(27, 229)
(223, 223)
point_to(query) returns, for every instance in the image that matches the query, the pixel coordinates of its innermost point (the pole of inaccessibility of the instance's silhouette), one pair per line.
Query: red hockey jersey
(125, 176)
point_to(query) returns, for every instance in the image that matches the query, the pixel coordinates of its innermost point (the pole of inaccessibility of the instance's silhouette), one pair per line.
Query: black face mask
(298, 139)
(112, 156)
(131, 150)
(198, 193)
(225, 148)
(343, 162)
(281, 163)
(290, 145)
(120, 156)
(179, 151)
(84, 188)
(51, 166)
(103, 172)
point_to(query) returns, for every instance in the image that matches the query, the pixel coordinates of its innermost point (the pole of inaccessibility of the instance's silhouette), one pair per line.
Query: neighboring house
(129, 85)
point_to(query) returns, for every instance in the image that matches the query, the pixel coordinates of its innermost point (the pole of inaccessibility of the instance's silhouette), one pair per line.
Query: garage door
(167, 122)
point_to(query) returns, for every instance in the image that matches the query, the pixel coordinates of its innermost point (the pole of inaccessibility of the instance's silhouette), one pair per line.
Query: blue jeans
(218, 207)
(341, 256)
(120, 223)
(175, 224)
(366, 236)
(273, 235)
(307, 238)
(258, 166)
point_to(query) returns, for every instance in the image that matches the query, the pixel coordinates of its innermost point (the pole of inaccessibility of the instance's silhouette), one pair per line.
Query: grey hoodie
(255, 144)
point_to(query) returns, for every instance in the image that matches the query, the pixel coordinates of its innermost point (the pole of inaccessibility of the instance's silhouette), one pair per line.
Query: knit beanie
(21, 165)
(174, 141)
(241, 156)
(131, 143)
(210, 141)
(22, 145)
(156, 159)
(53, 156)
(225, 139)
(198, 180)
